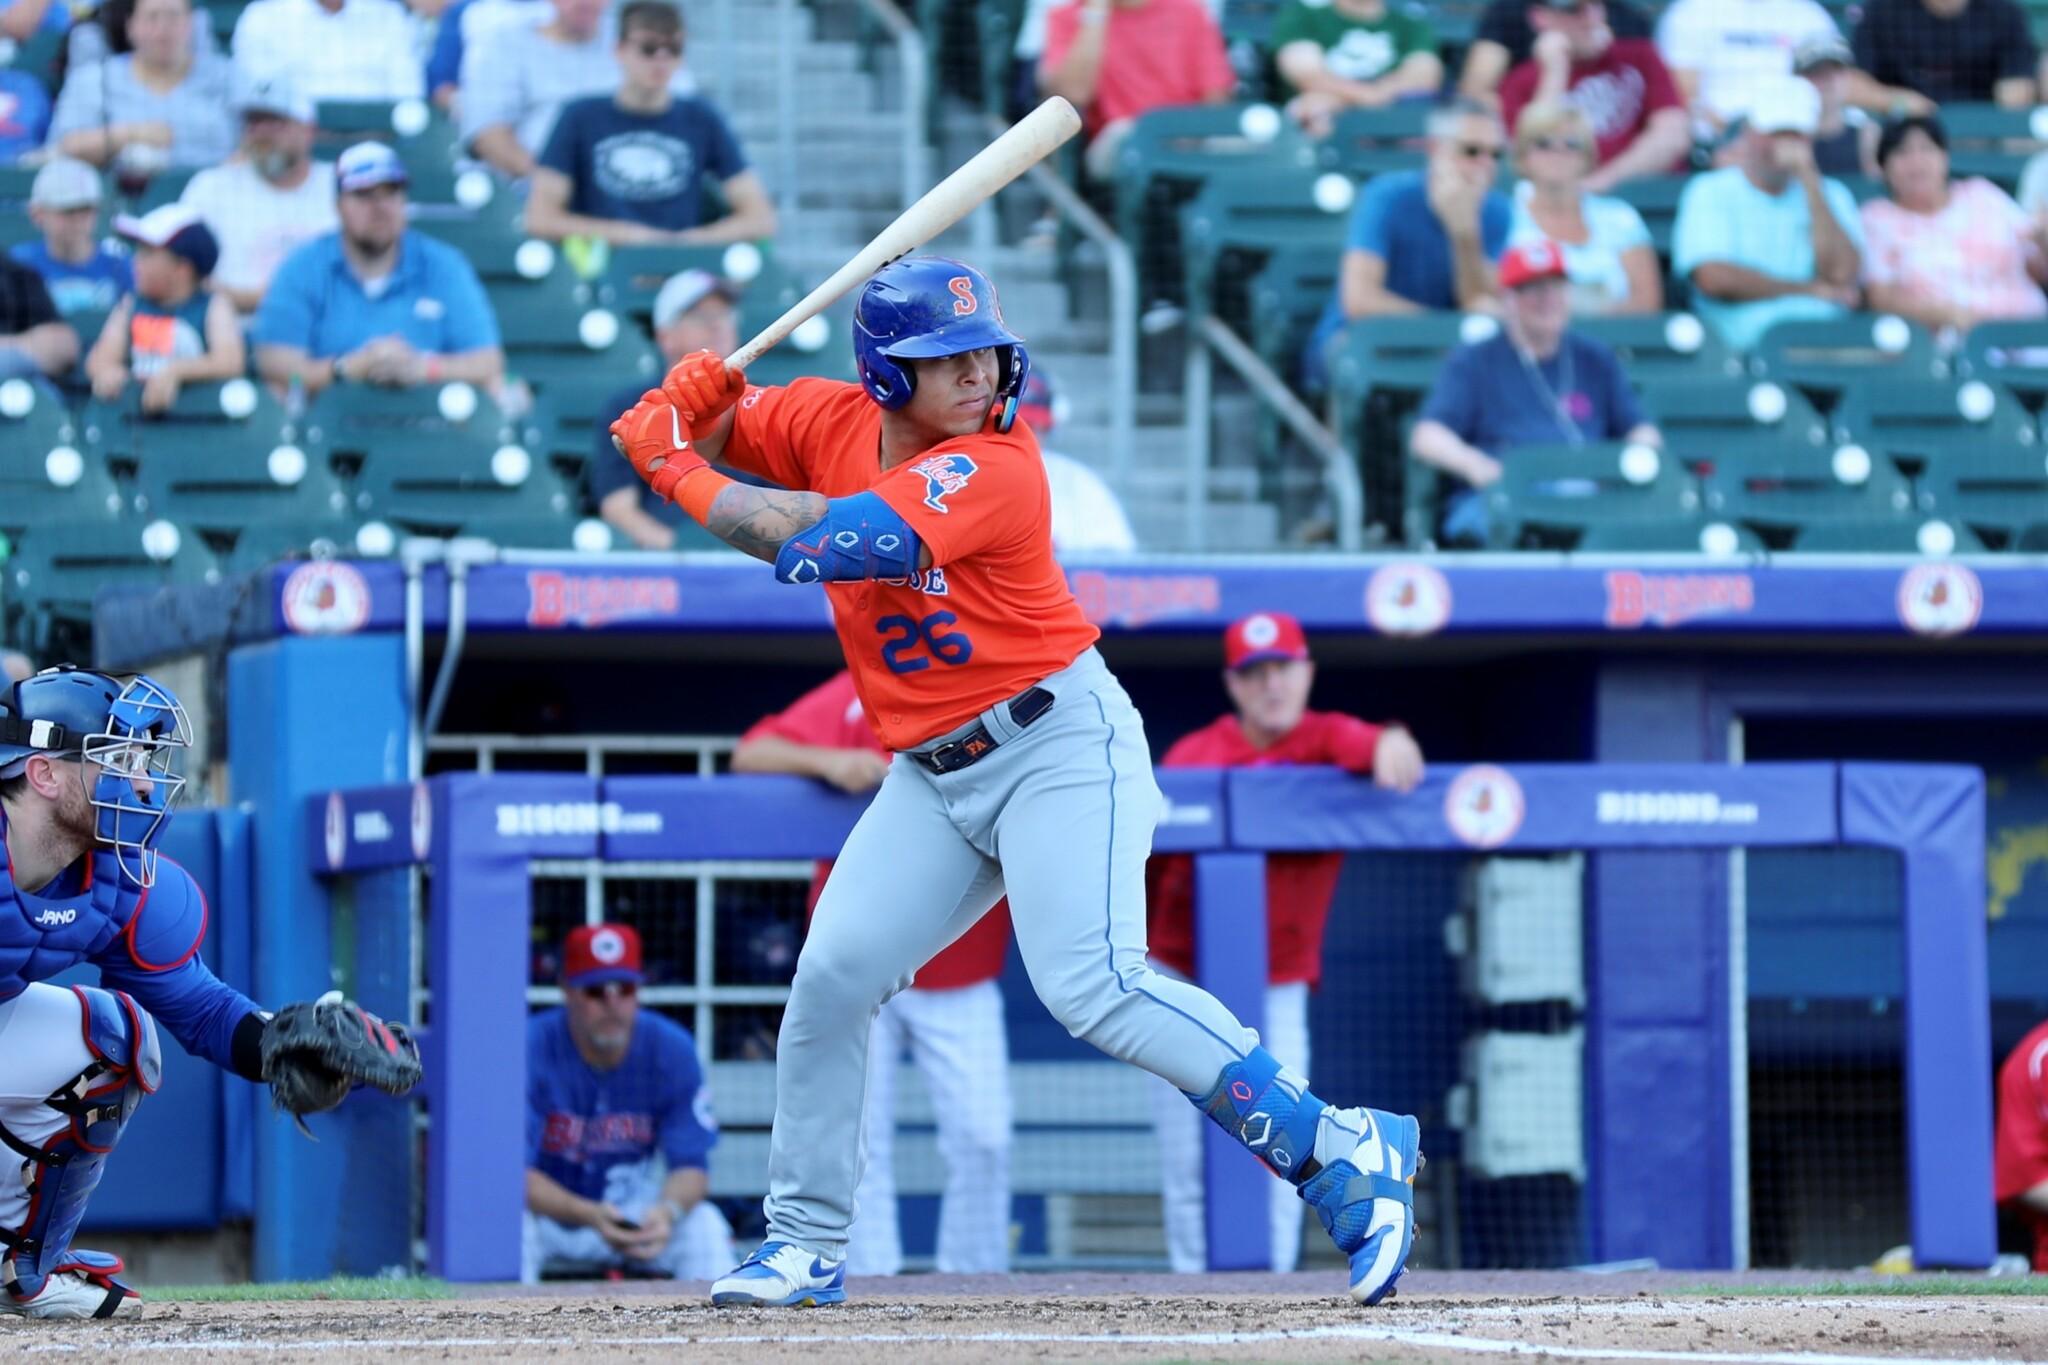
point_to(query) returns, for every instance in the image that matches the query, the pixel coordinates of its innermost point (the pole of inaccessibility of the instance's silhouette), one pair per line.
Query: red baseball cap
(1530, 262)
(1261, 636)
(597, 953)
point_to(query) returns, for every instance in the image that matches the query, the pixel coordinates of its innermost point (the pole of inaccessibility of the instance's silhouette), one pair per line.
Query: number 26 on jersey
(906, 641)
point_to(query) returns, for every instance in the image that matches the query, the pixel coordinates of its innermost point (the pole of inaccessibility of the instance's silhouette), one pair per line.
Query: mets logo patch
(944, 475)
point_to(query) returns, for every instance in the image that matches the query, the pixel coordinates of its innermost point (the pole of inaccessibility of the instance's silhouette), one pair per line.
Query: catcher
(88, 773)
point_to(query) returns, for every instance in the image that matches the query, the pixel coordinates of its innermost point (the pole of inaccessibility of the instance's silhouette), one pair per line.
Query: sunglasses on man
(608, 990)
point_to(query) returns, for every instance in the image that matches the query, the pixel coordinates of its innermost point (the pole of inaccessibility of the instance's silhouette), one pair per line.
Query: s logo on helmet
(964, 301)
(944, 475)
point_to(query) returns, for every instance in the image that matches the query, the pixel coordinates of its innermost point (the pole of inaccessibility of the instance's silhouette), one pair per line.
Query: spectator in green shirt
(1352, 54)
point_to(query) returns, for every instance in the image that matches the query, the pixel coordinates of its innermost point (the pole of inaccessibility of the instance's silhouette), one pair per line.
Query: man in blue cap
(375, 302)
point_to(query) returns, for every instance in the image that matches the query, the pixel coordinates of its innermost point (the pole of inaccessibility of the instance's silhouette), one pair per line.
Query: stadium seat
(351, 422)
(1285, 298)
(15, 226)
(568, 414)
(633, 275)
(425, 138)
(1381, 368)
(1684, 535)
(1996, 489)
(164, 187)
(1994, 142)
(121, 434)
(822, 347)
(1915, 424)
(2012, 354)
(495, 249)
(1653, 345)
(1934, 537)
(1548, 494)
(59, 567)
(1236, 222)
(48, 473)
(1779, 491)
(546, 533)
(1699, 416)
(1369, 142)
(424, 470)
(1656, 198)
(1824, 357)
(270, 541)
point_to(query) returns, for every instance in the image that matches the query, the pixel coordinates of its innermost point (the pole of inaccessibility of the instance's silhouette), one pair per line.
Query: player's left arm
(156, 960)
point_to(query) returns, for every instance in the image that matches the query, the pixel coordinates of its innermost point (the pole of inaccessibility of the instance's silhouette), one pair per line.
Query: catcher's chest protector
(43, 937)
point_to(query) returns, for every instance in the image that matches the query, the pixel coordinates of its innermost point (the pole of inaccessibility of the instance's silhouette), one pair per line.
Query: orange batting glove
(655, 439)
(702, 387)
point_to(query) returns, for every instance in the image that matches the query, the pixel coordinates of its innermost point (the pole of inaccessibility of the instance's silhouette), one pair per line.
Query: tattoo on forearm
(758, 520)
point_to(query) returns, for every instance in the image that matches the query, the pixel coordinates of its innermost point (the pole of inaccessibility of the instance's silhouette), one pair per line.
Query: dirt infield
(926, 1319)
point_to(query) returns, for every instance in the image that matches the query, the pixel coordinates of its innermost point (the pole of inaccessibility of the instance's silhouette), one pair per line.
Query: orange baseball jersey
(830, 716)
(990, 618)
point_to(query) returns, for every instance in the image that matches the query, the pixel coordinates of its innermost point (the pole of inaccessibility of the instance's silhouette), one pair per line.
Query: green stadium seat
(48, 473)
(350, 423)
(544, 310)
(1779, 491)
(495, 249)
(568, 413)
(633, 275)
(59, 567)
(1548, 494)
(2012, 354)
(1652, 345)
(588, 535)
(15, 226)
(1699, 416)
(1825, 357)
(1986, 140)
(425, 138)
(1996, 489)
(1285, 299)
(441, 488)
(1369, 142)
(1682, 535)
(1166, 159)
(120, 434)
(821, 347)
(271, 541)
(1235, 223)
(2032, 539)
(164, 187)
(1933, 538)
(1381, 369)
(1914, 423)
(1656, 198)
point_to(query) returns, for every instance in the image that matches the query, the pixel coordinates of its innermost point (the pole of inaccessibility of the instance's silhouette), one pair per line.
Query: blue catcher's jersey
(581, 1123)
(145, 941)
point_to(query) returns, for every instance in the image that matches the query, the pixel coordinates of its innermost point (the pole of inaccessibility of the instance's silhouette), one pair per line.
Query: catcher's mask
(131, 736)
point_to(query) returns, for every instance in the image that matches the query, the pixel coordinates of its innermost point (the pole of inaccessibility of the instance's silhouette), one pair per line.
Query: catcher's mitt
(315, 1051)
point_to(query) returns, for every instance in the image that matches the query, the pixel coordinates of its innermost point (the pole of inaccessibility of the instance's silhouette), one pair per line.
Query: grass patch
(1925, 1286)
(342, 1288)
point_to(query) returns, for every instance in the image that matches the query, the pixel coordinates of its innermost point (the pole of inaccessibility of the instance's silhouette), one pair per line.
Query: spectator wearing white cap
(335, 49)
(163, 103)
(639, 165)
(374, 302)
(1769, 238)
(695, 311)
(1087, 519)
(172, 330)
(1534, 382)
(271, 198)
(81, 273)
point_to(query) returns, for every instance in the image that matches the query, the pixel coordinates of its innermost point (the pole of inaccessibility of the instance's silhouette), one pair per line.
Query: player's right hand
(655, 439)
(702, 387)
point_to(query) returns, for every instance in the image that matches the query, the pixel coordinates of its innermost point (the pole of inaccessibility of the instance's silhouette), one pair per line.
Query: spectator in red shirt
(2021, 1160)
(1268, 673)
(1117, 59)
(1622, 84)
(951, 1020)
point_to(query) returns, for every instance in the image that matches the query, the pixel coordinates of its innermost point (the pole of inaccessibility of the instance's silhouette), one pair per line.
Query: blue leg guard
(1268, 1109)
(62, 1174)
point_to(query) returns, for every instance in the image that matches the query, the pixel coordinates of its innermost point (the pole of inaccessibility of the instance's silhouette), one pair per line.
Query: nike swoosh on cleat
(819, 1270)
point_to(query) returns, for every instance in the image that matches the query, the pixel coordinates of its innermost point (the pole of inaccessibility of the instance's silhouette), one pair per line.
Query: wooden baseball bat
(946, 203)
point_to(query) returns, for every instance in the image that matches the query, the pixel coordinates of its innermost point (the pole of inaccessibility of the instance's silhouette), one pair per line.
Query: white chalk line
(1396, 1336)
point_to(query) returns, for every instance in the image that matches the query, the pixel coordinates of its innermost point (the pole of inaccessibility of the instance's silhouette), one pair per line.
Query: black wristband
(246, 1051)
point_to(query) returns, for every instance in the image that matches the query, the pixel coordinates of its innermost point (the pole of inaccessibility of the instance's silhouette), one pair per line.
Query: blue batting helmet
(131, 734)
(926, 307)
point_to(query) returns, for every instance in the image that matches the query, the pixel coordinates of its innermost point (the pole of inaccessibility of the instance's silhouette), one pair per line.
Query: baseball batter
(87, 778)
(951, 1021)
(921, 506)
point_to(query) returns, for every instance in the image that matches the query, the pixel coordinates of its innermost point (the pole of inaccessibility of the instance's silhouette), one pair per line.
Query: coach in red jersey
(951, 1020)
(1268, 673)
(2021, 1159)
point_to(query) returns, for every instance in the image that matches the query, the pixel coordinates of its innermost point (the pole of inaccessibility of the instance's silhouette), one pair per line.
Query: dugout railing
(1663, 1092)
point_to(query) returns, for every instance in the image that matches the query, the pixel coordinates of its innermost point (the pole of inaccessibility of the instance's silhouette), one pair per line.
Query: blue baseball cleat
(780, 1275)
(1367, 1201)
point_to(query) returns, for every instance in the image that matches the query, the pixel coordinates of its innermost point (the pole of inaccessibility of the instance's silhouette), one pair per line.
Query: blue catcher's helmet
(130, 735)
(925, 307)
